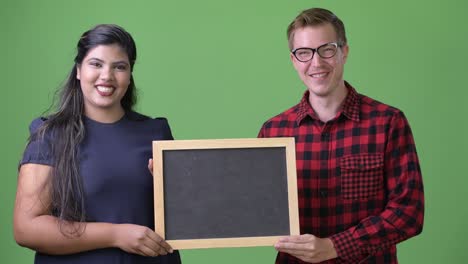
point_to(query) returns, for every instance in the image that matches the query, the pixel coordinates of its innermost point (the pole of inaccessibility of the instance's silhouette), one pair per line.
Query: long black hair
(66, 126)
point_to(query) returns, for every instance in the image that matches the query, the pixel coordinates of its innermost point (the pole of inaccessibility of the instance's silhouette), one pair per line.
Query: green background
(219, 69)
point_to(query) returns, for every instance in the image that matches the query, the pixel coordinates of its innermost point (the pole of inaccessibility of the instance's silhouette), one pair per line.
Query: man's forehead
(314, 35)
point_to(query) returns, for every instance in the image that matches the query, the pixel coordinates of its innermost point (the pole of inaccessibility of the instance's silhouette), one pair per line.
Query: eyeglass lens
(325, 51)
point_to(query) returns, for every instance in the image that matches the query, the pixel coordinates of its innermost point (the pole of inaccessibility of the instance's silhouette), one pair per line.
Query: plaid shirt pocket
(361, 175)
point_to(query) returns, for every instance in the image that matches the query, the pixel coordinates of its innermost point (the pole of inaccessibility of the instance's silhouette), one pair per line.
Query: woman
(85, 194)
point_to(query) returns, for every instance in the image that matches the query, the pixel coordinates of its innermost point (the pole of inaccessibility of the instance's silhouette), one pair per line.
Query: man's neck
(327, 107)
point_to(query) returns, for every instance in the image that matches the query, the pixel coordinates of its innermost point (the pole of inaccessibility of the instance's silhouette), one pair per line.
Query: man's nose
(316, 60)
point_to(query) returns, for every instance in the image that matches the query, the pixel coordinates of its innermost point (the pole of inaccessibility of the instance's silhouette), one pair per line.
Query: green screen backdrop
(219, 69)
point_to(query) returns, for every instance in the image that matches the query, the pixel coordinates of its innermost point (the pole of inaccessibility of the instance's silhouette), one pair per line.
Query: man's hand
(308, 248)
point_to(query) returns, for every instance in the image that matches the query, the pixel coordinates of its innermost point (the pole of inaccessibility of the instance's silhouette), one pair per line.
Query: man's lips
(318, 74)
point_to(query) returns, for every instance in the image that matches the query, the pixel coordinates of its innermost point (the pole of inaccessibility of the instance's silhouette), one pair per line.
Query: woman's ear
(78, 72)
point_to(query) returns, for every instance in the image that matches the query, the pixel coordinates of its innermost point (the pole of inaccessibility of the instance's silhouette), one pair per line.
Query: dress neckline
(92, 121)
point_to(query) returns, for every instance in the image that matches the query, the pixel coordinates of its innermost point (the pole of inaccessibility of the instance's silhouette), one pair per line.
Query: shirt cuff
(345, 245)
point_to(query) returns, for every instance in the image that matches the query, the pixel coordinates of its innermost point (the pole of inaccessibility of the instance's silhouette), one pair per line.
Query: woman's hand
(140, 240)
(150, 166)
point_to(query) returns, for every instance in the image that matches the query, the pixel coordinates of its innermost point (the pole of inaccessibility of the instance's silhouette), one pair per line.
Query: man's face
(323, 77)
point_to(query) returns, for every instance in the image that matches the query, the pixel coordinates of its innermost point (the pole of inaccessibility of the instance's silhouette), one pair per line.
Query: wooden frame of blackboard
(247, 144)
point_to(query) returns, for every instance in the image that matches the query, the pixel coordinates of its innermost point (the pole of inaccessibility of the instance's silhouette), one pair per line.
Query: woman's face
(104, 76)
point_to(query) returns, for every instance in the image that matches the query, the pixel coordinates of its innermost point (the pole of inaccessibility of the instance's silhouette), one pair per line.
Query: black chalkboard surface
(225, 192)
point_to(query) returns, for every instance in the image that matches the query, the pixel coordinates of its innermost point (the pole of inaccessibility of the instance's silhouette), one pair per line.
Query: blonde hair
(316, 17)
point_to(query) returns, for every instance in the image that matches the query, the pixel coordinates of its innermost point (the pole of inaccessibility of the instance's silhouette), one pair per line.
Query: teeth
(105, 89)
(318, 75)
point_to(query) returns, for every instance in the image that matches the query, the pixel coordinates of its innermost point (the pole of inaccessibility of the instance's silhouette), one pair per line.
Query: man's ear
(345, 50)
(293, 60)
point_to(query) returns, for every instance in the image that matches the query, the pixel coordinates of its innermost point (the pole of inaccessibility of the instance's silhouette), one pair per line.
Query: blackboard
(225, 192)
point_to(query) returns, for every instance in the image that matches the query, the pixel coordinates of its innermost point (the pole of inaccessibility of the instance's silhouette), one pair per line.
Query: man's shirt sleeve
(403, 215)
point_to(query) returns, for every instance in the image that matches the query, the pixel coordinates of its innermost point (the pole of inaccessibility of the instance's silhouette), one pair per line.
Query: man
(359, 181)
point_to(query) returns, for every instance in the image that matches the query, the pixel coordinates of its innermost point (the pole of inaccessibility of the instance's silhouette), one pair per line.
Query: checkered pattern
(359, 180)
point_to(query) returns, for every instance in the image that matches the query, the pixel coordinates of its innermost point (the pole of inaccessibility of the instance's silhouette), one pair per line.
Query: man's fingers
(298, 254)
(293, 246)
(298, 238)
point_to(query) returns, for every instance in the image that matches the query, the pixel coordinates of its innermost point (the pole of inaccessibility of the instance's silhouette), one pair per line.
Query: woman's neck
(105, 115)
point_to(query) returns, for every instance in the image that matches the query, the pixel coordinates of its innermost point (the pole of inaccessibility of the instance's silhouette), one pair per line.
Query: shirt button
(323, 193)
(325, 136)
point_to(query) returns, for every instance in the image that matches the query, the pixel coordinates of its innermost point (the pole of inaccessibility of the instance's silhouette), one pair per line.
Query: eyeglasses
(325, 51)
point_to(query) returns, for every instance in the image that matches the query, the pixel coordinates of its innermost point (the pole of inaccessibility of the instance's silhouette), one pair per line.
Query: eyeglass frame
(336, 44)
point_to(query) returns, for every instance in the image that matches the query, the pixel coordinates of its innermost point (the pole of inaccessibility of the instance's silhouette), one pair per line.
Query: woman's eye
(121, 67)
(95, 64)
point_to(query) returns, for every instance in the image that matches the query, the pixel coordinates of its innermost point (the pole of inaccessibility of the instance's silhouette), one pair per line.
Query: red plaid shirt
(358, 176)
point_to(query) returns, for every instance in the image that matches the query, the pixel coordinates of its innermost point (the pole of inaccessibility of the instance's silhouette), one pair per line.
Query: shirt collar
(350, 107)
